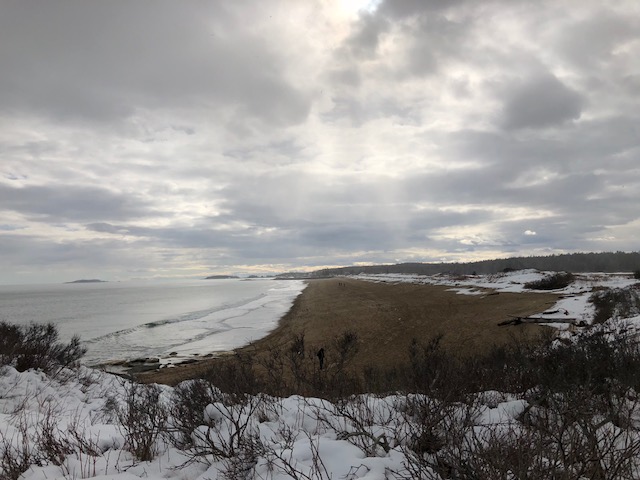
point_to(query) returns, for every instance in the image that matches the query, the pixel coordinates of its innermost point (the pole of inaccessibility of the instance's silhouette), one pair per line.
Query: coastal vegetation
(552, 282)
(386, 320)
(555, 410)
(606, 262)
(37, 346)
(360, 380)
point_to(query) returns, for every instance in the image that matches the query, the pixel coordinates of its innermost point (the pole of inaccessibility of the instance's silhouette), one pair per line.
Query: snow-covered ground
(299, 436)
(65, 428)
(573, 304)
(75, 424)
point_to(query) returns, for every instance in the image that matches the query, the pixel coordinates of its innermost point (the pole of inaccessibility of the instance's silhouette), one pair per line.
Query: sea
(119, 321)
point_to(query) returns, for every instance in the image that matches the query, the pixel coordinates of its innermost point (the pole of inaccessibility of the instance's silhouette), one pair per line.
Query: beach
(386, 318)
(164, 321)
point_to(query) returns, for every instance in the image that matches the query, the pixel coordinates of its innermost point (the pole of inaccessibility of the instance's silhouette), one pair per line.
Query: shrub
(615, 303)
(552, 282)
(210, 425)
(578, 421)
(37, 346)
(17, 452)
(636, 274)
(603, 366)
(142, 416)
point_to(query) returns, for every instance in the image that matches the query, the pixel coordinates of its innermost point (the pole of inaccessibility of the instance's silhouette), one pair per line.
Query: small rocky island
(220, 277)
(87, 280)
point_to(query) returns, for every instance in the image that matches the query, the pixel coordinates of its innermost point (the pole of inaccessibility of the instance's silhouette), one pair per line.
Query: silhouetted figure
(320, 355)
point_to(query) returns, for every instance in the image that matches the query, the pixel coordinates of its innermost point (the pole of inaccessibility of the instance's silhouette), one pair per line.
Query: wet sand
(386, 318)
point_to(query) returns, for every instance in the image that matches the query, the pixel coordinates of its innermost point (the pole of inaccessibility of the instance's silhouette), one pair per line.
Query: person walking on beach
(320, 355)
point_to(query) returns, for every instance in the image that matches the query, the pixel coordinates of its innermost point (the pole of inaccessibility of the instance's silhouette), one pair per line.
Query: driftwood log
(520, 320)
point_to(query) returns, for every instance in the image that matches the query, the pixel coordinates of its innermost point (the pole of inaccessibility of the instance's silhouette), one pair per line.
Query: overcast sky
(161, 138)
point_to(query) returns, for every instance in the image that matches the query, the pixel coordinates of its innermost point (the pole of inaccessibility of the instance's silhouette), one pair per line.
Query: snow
(298, 432)
(302, 437)
(573, 304)
(365, 437)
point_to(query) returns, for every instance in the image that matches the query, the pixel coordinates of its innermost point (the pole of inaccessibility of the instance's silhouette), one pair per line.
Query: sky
(157, 138)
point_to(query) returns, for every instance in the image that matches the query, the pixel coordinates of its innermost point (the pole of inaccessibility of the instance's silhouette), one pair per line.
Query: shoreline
(210, 332)
(385, 318)
(130, 368)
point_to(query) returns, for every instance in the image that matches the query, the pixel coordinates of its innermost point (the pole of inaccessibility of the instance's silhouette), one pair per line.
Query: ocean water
(126, 320)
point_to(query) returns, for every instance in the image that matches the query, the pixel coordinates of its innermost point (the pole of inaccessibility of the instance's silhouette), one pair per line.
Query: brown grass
(386, 318)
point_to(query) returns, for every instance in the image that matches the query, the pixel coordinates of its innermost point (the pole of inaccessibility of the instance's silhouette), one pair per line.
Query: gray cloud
(364, 42)
(409, 8)
(166, 139)
(541, 102)
(71, 203)
(592, 41)
(102, 61)
(28, 258)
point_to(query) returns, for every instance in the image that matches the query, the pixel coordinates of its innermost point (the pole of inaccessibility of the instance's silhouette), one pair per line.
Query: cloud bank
(178, 139)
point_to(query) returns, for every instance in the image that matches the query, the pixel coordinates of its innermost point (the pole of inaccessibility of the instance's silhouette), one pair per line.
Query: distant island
(88, 280)
(221, 277)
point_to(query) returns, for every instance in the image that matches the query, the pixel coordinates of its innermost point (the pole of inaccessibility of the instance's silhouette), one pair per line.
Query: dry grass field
(386, 318)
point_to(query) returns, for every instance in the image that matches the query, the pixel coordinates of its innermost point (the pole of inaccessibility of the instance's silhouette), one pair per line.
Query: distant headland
(88, 280)
(220, 277)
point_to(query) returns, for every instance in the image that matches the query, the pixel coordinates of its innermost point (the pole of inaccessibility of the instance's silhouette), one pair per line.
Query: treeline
(606, 262)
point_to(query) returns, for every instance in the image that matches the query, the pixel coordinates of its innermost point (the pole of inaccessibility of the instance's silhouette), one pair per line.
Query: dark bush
(578, 421)
(600, 364)
(593, 362)
(636, 274)
(189, 401)
(615, 302)
(209, 424)
(37, 346)
(551, 282)
(142, 416)
(604, 305)
(236, 376)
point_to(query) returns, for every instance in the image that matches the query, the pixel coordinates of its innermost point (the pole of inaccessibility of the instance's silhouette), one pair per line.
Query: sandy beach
(386, 318)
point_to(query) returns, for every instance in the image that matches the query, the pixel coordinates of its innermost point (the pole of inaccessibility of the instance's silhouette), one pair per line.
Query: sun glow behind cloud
(355, 7)
(302, 134)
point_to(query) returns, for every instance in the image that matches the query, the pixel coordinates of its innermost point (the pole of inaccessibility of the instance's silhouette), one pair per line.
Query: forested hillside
(608, 262)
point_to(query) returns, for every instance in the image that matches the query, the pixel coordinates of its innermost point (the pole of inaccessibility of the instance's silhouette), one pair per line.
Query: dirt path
(385, 319)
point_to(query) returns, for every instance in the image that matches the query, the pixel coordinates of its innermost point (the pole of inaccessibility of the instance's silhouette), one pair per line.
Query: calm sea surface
(142, 319)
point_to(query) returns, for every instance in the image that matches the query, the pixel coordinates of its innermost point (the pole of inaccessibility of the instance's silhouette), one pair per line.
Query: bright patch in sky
(276, 135)
(356, 6)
